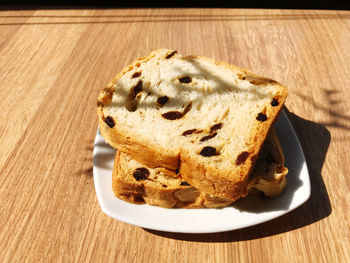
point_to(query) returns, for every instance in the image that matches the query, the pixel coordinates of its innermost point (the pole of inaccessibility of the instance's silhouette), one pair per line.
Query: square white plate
(243, 213)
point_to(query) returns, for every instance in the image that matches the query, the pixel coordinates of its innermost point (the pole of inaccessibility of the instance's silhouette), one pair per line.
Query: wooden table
(53, 63)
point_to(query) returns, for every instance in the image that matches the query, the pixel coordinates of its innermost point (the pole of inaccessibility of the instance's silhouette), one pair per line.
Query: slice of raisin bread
(207, 118)
(135, 183)
(138, 184)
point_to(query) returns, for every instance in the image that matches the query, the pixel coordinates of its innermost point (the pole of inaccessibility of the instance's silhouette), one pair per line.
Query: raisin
(162, 100)
(242, 157)
(110, 122)
(188, 108)
(215, 127)
(185, 79)
(208, 151)
(133, 108)
(261, 117)
(274, 103)
(165, 186)
(136, 75)
(188, 132)
(184, 183)
(136, 90)
(172, 115)
(205, 138)
(171, 54)
(141, 173)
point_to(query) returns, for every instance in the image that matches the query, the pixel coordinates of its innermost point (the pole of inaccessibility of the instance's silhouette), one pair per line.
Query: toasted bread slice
(138, 184)
(207, 118)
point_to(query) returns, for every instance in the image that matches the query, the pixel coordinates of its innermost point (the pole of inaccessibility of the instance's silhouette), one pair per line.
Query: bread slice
(207, 118)
(135, 183)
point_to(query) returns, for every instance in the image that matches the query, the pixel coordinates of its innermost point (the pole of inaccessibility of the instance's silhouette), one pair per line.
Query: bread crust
(211, 180)
(146, 153)
(208, 179)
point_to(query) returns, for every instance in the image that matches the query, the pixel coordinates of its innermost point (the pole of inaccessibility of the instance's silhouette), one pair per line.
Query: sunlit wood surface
(53, 63)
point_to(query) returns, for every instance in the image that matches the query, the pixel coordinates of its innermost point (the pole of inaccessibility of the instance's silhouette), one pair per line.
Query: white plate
(246, 212)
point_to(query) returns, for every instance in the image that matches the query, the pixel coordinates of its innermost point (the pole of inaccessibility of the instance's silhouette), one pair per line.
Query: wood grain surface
(53, 63)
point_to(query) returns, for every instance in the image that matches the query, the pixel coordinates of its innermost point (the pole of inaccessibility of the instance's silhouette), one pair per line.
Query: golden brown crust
(210, 180)
(149, 155)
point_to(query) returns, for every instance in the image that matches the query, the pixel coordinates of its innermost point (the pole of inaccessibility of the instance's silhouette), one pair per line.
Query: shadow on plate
(314, 139)
(104, 157)
(294, 162)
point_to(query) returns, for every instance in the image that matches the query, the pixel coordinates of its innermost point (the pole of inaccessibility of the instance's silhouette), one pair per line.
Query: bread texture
(206, 118)
(135, 183)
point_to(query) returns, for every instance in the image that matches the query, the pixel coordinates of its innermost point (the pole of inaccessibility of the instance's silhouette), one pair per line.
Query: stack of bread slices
(192, 132)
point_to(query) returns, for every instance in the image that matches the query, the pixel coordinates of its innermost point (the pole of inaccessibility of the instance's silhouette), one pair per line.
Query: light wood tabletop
(53, 64)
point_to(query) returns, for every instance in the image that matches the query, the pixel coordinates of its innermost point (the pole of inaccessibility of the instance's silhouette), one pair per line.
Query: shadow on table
(314, 139)
(102, 158)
